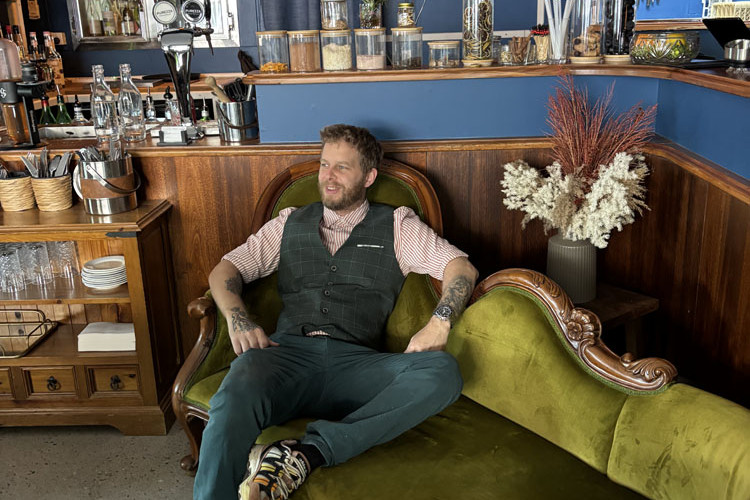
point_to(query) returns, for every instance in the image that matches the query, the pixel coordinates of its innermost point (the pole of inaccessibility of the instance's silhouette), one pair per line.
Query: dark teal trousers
(361, 397)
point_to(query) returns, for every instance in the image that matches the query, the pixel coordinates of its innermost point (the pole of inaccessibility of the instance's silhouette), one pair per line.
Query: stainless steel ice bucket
(238, 121)
(107, 187)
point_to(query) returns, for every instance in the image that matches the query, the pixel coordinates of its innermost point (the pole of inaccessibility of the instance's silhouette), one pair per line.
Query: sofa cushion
(513, 361)
(685, 443)
(466, 451)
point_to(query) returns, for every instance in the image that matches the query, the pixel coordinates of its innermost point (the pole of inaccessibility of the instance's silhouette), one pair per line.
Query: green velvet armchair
(547, 410)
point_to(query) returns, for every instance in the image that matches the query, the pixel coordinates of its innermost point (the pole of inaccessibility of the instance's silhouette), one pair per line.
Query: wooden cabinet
(54, 383)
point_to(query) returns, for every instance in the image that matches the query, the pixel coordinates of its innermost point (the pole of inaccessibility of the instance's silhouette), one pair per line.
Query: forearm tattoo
(234, 284)
(241, 322)
(456, 294)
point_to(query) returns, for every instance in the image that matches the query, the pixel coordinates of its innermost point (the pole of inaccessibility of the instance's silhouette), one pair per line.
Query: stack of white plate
(104, 273)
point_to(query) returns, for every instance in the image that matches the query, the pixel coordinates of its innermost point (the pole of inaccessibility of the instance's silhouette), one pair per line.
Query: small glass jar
(337, 50)
(407, 48)
(586, 30)
(444, 54)
(406, 17)
(370, 48)
(304, 51)
(273, 50)
(477, 17)
(334, 15)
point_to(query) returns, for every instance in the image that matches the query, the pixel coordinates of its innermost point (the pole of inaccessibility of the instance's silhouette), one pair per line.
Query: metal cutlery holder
(21, 330)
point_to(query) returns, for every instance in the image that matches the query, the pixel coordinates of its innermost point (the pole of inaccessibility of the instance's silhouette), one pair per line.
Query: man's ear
(370, 177)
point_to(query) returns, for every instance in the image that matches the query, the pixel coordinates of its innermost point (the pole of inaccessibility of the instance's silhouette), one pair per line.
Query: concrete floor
(62, 463)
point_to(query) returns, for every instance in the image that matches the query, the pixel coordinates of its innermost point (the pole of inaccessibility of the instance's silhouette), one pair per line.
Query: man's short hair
(369, 149)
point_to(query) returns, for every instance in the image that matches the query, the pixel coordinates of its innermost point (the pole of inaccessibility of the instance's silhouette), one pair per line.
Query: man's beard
(350, 197)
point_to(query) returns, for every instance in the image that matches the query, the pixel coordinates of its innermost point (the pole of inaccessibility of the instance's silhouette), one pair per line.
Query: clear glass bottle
(477, 16)
(130, 105)
(304, 51)
(586, 30)
(370, 44)
(103, 108)
(18, 40)
(150, 112)
(444, 54)
(78, 118)
(54, 60)
(334, 15)
(46, 118)
(407, 48)
(405, 17)
(337, 50)
(273, 49)
(63, 117)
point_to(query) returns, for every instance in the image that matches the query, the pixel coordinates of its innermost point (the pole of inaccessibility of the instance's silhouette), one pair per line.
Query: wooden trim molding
(582, 331)
(716, 79)
(672, 24)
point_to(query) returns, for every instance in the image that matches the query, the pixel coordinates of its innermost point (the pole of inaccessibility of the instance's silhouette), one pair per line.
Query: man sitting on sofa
(341, 265)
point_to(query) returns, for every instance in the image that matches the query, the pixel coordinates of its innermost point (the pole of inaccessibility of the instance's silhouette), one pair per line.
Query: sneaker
(274, 472)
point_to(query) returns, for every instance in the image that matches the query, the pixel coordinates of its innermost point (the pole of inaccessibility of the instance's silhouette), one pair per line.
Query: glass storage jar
(304, 51)
(370, 45)
(334, 15)
(273, 50)
(407, 48)
(618, 30)
(444, 54)
(477, 32)
(586, 30)
(337, 50)
(405, 16)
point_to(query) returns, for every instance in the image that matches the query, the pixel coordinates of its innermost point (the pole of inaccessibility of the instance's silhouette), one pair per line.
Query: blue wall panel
(670, 9)
(710, 123)
(442, 109)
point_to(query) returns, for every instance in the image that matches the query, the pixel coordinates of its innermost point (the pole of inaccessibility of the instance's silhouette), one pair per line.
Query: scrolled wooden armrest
(201, 307)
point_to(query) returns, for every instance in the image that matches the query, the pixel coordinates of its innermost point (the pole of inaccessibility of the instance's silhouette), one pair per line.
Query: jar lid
(328, 33)
(406, 4)
(444, 44)
(378, 31)
(271, 33)
(418, 29)
(303, 32)
(339, 1)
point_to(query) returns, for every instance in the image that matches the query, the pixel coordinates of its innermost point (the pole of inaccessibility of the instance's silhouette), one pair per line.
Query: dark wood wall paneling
(691, 250)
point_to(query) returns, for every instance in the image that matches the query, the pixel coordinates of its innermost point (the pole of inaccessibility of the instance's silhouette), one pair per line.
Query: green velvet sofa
(547, 411)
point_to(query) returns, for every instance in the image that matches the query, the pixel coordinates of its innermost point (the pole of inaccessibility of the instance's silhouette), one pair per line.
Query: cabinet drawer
(114, 379)
(5, 389)
(50, 381)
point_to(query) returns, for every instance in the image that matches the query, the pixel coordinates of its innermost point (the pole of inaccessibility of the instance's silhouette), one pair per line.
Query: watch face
(444, 312)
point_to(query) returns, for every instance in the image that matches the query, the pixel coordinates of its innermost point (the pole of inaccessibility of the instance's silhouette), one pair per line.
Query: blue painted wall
(670, 9)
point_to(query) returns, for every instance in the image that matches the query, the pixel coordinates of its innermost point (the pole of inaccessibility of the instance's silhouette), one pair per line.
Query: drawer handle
(53, 384)
(115, 383)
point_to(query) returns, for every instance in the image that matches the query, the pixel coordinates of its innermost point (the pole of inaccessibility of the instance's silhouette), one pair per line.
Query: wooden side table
(617, 307)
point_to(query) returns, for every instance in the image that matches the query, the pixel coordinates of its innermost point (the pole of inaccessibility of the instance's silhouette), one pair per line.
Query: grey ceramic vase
(572, 265)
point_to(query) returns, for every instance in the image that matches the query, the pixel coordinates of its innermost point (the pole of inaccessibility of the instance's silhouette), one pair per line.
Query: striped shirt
(418, 248)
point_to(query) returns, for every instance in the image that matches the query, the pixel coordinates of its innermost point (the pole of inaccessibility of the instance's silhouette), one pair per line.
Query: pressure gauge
(164, 12)
(193, 11)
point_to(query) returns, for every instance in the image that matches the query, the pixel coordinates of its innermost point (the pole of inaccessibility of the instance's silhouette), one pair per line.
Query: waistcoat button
(333, 268)
(327, 293)
(324, 310)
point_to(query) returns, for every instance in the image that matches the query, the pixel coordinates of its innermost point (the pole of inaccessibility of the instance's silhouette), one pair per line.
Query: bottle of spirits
(54, 60)
(131, 107)
(78, 118)
(47, 117)
(36, 55)
(103, 108)
(204, 111)
(18, 40)
(127, 25)
(33, 6)
(63, 117)
(94, 16)
(150, 108)
(109, 22)
(8, 32)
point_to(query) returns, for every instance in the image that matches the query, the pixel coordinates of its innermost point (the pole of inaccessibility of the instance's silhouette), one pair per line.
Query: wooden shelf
(61, 348)
(64, 292)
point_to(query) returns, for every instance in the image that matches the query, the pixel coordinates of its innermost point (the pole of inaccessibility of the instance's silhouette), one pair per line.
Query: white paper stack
(105, 336)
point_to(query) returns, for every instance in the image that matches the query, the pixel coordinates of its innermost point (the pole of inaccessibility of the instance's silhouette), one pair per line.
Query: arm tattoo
(456, 294)
(241, 321)
(234, 284)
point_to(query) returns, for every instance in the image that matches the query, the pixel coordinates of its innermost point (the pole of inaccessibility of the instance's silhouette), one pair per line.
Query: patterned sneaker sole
(248, 489)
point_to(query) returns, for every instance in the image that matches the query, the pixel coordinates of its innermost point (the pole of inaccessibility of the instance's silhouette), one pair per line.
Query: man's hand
(432, 337)
(245, 333)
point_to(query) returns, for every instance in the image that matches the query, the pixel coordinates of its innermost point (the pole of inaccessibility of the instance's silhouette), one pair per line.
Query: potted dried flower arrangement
(371, 13)
(594, 185)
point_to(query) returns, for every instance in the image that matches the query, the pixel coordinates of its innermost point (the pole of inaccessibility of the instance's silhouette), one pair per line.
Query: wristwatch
(443, 313)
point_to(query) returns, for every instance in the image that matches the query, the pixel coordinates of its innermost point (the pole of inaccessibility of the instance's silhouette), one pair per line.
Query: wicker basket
(53, 193)
(16, 194)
